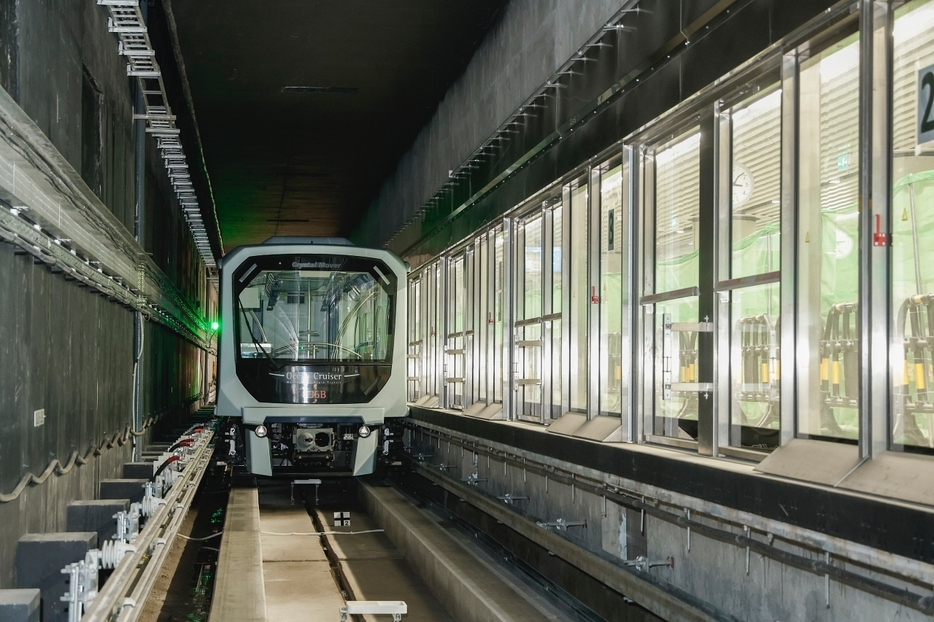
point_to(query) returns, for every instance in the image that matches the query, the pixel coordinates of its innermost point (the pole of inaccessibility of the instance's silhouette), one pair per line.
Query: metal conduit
(75, 458)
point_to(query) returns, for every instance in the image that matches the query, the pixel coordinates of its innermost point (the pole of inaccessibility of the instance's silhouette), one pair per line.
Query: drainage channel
(185, 585)
(572, 593)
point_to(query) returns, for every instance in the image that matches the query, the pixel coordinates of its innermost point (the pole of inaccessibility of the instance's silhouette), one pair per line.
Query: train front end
(312, 354)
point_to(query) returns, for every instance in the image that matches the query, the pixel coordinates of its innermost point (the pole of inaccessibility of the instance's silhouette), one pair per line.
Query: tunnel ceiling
(365, 76)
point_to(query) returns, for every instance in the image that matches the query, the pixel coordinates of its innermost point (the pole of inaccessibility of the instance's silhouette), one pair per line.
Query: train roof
(292, 239)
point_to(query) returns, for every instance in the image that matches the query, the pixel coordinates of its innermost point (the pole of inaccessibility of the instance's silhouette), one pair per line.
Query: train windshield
(315, 309)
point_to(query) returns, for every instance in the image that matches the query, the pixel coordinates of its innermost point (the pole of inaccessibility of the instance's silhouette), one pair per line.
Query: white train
(312, 353)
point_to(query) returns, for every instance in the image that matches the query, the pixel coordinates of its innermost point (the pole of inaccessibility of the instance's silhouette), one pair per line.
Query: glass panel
(529, 361)
(454, 354)
(529, 307)
(557, 276)
(457, 295)
(677, 208)
(754, 356)
(755, 207)
(484, 315)
(470, 323)
(912, 352)
(756, 185)
(580, 297)
(435, 334)
(424, 372)
(611, 308)
(499, 300)
(675, 410)
(432, 373)
(415, 336)
(531, 270)
(827, 360)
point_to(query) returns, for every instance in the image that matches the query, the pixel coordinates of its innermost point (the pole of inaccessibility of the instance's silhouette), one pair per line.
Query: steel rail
(135, 574)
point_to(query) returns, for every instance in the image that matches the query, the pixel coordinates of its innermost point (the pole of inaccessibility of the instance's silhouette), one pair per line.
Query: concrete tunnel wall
(62, 348)
(532, 39)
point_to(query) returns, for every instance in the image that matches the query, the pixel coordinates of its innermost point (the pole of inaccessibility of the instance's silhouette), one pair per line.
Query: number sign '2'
(926, 105)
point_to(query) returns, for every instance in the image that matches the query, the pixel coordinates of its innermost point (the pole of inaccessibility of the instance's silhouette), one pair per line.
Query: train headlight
(364, 431)
(260, 431)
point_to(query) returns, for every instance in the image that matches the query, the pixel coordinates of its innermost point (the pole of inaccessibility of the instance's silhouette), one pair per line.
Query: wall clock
(742, 185)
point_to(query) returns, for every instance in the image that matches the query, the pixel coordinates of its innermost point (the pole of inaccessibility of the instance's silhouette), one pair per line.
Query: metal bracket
(82, 587)
(643, 564)
(473, 479)
(699, 387)
(563, 525)
(510, 498)
(395, 608)
(666, 356)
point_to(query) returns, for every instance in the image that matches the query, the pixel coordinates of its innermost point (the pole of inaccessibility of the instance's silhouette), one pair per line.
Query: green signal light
(215, 325)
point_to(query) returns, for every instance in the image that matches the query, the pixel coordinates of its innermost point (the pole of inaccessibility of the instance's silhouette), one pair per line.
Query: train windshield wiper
(258, 345)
